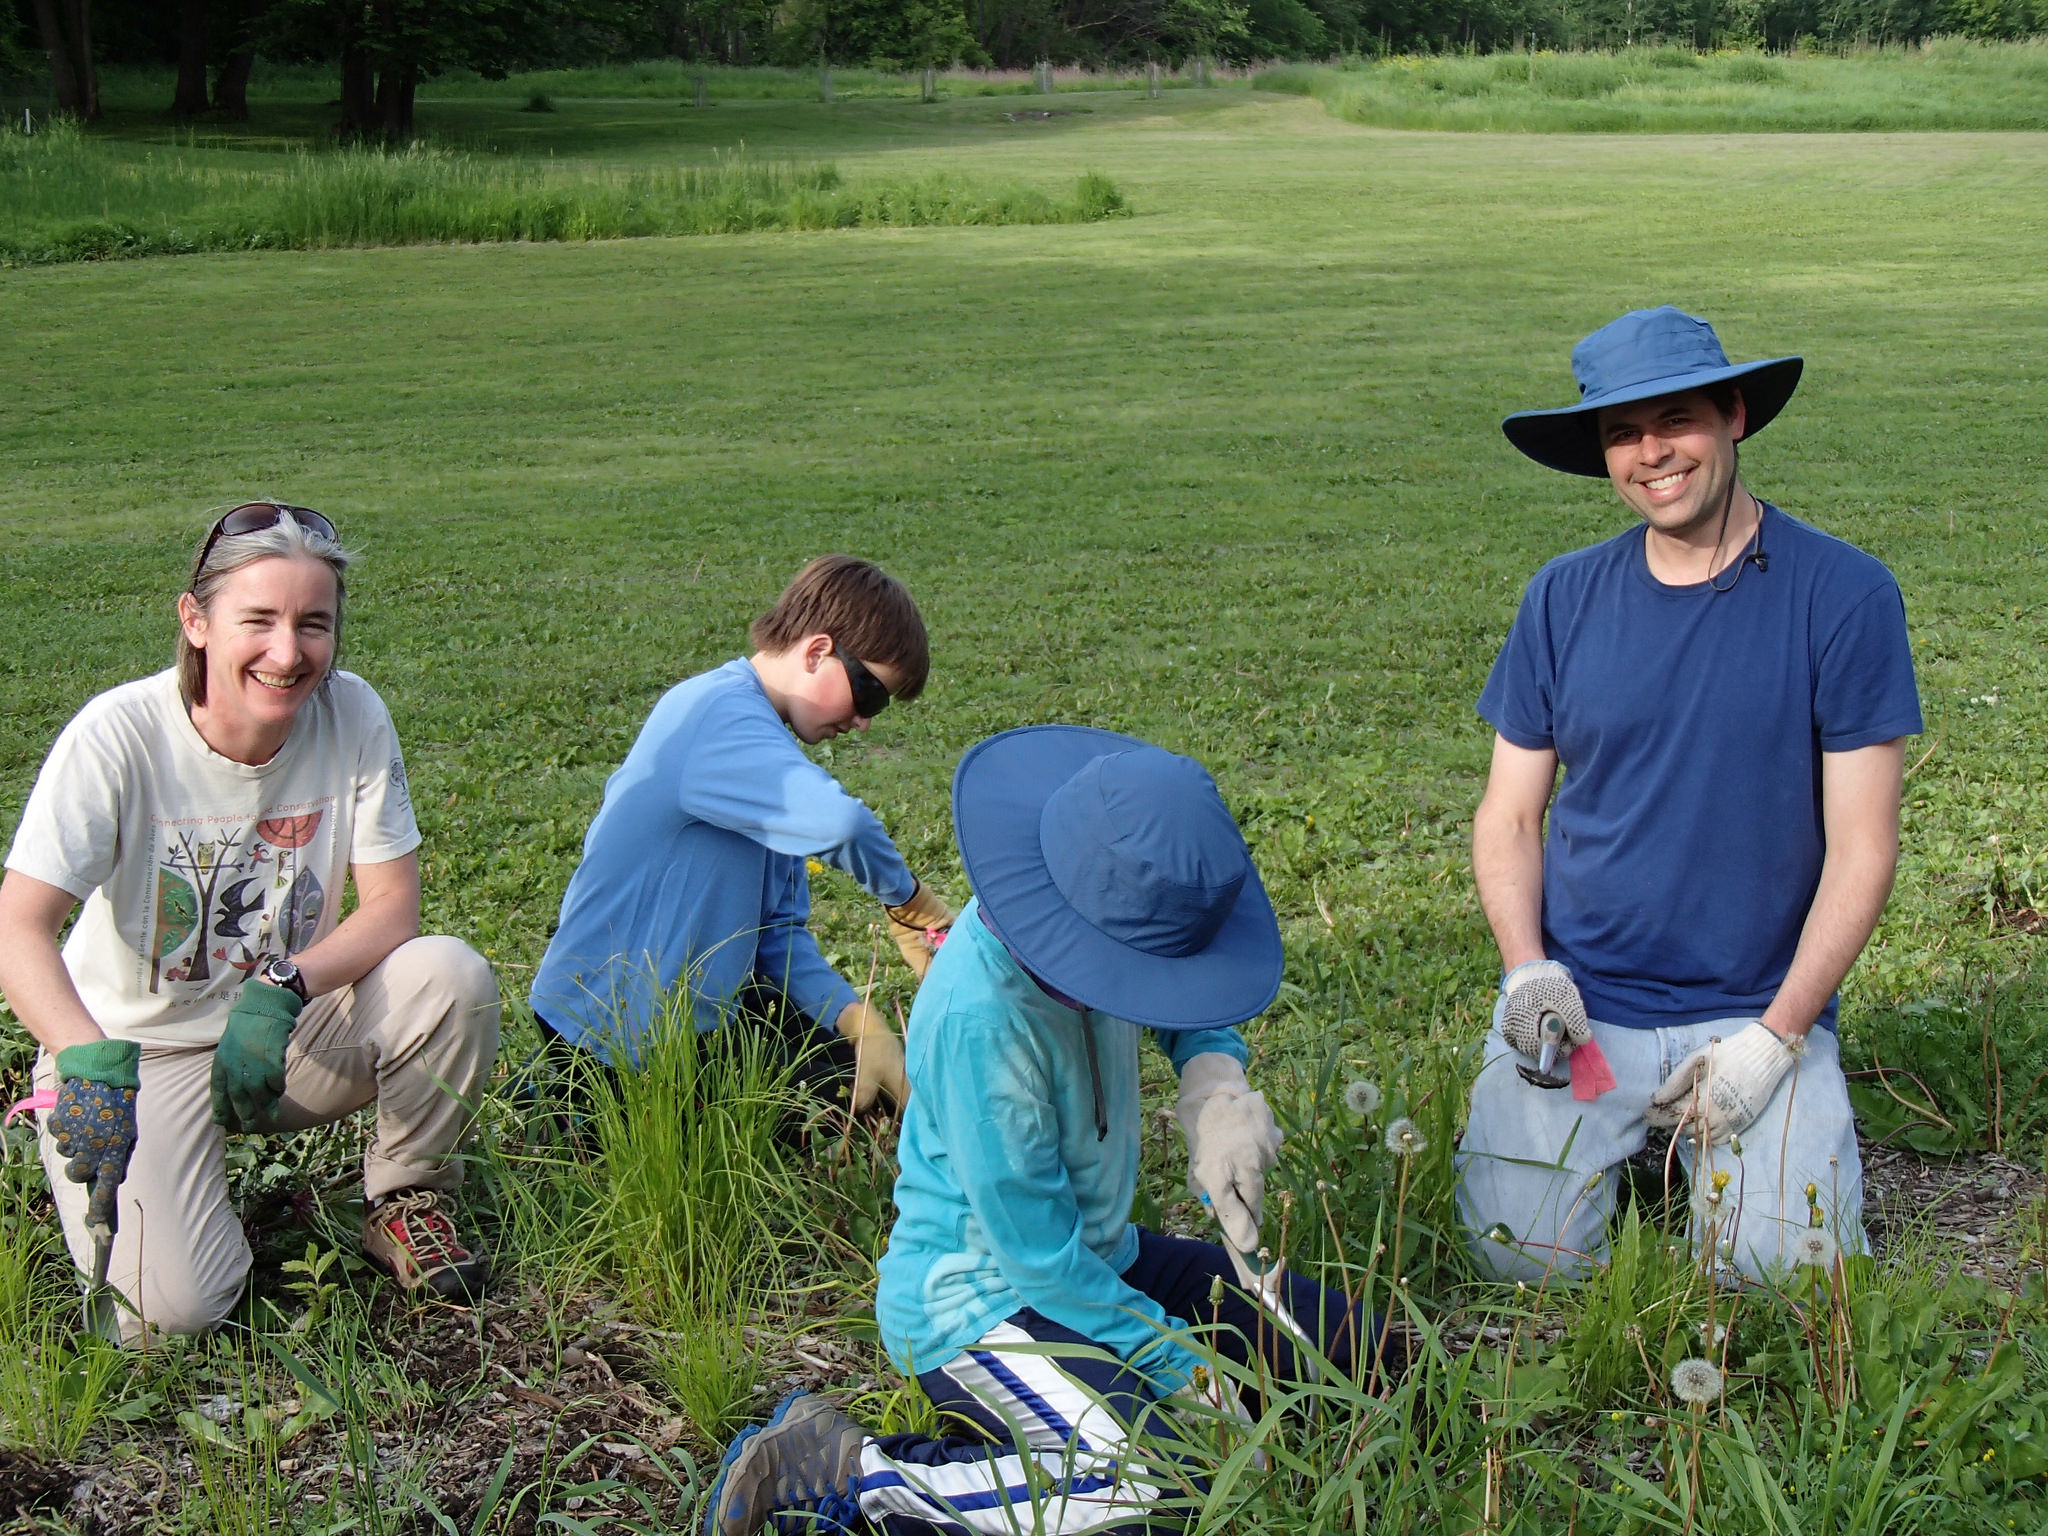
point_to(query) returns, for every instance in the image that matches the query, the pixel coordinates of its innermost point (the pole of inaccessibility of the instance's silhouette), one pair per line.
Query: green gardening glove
(248, 1064)
(93, 1123)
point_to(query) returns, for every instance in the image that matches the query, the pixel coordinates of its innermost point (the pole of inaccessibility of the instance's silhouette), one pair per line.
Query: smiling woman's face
(268, 638)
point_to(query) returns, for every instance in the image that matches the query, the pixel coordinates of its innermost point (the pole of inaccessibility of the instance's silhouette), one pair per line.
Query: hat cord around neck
(1094, 1075)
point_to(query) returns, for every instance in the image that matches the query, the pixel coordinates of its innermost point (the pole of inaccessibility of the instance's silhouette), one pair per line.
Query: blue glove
(93, 1124)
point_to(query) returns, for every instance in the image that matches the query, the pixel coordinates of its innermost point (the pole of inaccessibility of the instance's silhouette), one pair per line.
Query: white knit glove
(1720, 1089)
(1232, 1141)
(1534, 989)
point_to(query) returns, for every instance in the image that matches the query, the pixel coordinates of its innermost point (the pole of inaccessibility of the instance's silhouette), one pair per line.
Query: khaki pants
(417, 1037)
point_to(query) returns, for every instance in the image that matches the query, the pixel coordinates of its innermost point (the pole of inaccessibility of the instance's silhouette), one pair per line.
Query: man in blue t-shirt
(1726, 689)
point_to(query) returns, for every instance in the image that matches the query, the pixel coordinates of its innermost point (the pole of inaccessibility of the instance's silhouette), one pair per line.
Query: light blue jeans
(1539, 1175)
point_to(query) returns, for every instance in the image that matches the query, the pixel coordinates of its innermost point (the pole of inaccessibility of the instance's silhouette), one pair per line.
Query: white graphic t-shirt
(195, 869)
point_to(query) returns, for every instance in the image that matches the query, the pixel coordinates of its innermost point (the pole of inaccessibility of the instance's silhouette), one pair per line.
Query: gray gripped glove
(1532, 990)
(1232, 1141)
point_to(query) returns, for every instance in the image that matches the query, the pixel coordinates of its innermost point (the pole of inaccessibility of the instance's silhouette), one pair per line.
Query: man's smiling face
(1673, 458)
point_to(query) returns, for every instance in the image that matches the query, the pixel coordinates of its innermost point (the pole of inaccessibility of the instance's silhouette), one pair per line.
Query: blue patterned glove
(93, 1124)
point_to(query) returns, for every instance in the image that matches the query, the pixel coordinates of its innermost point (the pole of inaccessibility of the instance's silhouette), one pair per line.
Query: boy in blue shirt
(1726, 689)
(693, 871)
(1113, 893)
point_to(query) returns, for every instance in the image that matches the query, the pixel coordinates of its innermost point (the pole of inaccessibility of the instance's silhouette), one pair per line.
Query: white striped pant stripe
(1072, 1479)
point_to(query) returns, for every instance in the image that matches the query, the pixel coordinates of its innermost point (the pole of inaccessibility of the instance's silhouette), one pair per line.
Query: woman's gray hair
(287, 538)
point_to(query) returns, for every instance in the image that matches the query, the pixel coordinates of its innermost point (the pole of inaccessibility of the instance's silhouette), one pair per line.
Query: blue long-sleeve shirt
(1005, 1198)
(693, 869)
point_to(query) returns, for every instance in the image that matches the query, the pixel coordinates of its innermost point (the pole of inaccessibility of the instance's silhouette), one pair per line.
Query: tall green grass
(1945, 84)
(65, 196)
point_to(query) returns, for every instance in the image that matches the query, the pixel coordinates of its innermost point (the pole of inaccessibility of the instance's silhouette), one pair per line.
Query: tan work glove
(909, 923)
(877, 1057)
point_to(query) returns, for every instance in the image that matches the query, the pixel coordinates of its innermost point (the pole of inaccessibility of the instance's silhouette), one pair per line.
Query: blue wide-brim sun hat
(1114, 873)
(1644, 354)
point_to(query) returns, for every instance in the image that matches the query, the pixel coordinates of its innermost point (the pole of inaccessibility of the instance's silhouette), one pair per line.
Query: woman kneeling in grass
(206, 817)
(1113, 893)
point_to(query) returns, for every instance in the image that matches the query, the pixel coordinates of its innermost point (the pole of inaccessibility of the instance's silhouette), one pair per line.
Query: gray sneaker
(797, 1472)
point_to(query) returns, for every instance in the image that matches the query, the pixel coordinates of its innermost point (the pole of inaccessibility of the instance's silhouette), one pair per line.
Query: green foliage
(61, 189)
(1949, 85)
(1226, 476)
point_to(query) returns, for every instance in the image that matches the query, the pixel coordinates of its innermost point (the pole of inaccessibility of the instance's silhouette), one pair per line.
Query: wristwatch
(282, 973)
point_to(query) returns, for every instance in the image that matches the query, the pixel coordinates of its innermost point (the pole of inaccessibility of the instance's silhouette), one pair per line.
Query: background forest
(385, 48)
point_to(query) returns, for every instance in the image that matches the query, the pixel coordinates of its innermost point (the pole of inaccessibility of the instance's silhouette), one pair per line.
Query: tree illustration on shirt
(213, 887)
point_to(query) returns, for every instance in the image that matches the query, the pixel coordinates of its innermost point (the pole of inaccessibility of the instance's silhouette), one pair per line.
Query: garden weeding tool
(99, 1315)
(1544, 1074)
(99, 1309)
(1263, 1286)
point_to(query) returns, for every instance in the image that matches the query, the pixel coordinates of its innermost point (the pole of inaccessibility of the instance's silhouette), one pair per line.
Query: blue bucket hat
(1114, 873)
(1644, 354)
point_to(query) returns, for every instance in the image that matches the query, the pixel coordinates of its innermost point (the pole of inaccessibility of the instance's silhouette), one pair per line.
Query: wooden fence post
(703, 89)
(929, 86)
(825, 86)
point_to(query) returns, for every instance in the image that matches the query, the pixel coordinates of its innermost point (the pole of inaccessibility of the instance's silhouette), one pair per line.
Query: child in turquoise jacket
(1114, 895)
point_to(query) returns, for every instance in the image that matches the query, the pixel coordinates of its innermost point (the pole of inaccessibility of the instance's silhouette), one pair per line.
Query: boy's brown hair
(866, 611)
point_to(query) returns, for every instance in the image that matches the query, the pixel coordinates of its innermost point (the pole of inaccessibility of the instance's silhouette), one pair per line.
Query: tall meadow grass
(1944, 84)
(66, 196)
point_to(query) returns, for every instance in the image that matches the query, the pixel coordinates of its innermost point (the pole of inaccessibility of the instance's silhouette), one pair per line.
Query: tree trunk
(72, 80)
(358, 79)
(231, 83)
(396, 85)
(78, 22)
(190, 99)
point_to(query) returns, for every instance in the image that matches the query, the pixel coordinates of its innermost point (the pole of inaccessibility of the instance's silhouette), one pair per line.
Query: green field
(1225, 474)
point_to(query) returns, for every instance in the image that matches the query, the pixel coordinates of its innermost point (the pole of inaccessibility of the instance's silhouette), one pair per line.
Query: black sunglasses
(254, 517)
(870, 697)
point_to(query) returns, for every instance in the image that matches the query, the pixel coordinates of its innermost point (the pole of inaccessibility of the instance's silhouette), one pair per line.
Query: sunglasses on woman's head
(254, 517)
(870, 696)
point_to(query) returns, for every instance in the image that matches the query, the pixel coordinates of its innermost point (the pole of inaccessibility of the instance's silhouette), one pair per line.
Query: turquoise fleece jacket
(694, 869)
(1006, 1199)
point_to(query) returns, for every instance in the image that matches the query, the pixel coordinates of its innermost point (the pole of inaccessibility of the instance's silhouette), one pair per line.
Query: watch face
(282, 973)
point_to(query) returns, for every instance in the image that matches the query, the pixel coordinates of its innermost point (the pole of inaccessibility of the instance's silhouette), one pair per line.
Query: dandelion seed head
(1362, 1096)
(1697, 1382)
(1712, 1334)
(1815, 1247)
(1405, 1138)
(1322, 1186)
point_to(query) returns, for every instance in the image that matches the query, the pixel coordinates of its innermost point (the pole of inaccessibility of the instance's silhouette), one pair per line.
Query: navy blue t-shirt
(1685, 842)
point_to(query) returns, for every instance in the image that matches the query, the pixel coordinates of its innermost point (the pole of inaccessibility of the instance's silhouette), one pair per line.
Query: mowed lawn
(1225, 474)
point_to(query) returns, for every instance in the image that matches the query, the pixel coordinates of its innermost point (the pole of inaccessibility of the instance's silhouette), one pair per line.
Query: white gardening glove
(877, 1058)
(1722, 1087)
(1534, 989)
(1232, 1141)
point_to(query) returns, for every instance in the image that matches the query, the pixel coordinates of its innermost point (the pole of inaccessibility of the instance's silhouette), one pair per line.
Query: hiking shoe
(797, 1472)
(410, 1236)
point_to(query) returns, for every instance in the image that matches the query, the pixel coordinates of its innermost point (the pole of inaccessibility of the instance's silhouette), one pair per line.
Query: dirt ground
(581, 1416)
